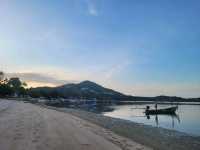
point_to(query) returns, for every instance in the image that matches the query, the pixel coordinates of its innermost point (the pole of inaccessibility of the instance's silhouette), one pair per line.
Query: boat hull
(171, 110)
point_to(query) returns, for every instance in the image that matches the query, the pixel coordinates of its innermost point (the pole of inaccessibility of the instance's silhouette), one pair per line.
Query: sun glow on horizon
(140, 50)
(34, 84)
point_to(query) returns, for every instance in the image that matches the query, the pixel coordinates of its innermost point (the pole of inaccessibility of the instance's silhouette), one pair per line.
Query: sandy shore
(154, 137)
(24, 126)
(37, 127)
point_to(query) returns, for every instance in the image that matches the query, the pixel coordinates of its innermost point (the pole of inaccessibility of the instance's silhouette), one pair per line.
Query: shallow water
(187, 119)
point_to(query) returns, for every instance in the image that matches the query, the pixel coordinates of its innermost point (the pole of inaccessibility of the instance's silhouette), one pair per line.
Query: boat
(170, 110)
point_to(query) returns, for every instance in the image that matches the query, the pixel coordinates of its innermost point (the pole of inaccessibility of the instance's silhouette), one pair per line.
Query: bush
(6, 90)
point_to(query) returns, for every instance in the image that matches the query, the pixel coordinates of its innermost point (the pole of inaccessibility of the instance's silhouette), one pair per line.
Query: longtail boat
(170, 110)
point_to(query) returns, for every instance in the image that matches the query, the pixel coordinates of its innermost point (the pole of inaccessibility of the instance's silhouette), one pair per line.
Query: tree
(17, 86)
(1, 77)
(13, 86)
(15, 83)
(5, 89)
(22, 91)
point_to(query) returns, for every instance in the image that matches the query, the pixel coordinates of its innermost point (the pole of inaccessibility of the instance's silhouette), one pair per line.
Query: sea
(186, 119)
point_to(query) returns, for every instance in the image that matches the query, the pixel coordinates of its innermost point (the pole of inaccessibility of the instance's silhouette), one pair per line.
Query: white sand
(24, 126)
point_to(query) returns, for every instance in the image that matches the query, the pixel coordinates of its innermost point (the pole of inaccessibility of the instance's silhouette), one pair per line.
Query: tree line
(12, 86)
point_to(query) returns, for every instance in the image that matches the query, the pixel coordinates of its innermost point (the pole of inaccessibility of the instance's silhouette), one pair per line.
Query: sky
(138, 47)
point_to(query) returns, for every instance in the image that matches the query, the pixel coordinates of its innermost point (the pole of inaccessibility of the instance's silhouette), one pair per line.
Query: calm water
(187, 119)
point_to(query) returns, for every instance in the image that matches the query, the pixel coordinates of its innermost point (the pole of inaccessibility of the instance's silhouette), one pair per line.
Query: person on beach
(156, 106)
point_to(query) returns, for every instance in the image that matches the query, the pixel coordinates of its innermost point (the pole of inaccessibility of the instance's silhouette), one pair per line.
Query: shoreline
(155, 137)
(27, 126)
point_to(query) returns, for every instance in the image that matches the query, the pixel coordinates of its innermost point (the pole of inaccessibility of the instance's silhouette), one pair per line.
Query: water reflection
(186, 118)
(156, 118)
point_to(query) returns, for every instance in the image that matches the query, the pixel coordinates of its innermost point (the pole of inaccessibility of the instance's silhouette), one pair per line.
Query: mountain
(91, 90)
(85, 89)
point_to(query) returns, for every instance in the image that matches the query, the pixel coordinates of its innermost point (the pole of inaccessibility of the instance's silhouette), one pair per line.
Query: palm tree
(1, 77)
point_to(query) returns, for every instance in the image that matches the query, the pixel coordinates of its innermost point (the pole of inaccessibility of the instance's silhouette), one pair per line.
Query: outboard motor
(147, 108)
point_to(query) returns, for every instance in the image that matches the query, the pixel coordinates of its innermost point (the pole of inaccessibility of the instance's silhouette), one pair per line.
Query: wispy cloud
(38, 79)
(92, 8)
(105, 78)
(116, 69)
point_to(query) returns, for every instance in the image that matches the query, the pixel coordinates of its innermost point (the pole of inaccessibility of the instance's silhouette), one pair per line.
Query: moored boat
(170, 110)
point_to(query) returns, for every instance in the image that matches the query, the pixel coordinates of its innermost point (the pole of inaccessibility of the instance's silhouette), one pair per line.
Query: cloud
(92, 9)
(116, 69)
(138, 89)
(38, 79)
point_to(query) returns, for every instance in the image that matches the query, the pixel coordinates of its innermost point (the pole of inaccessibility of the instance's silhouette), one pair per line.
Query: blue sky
(141, 47)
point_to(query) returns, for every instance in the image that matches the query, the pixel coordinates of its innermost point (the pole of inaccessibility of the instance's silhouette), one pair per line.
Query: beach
(155, 137)
(36, 126)
(25, 126)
